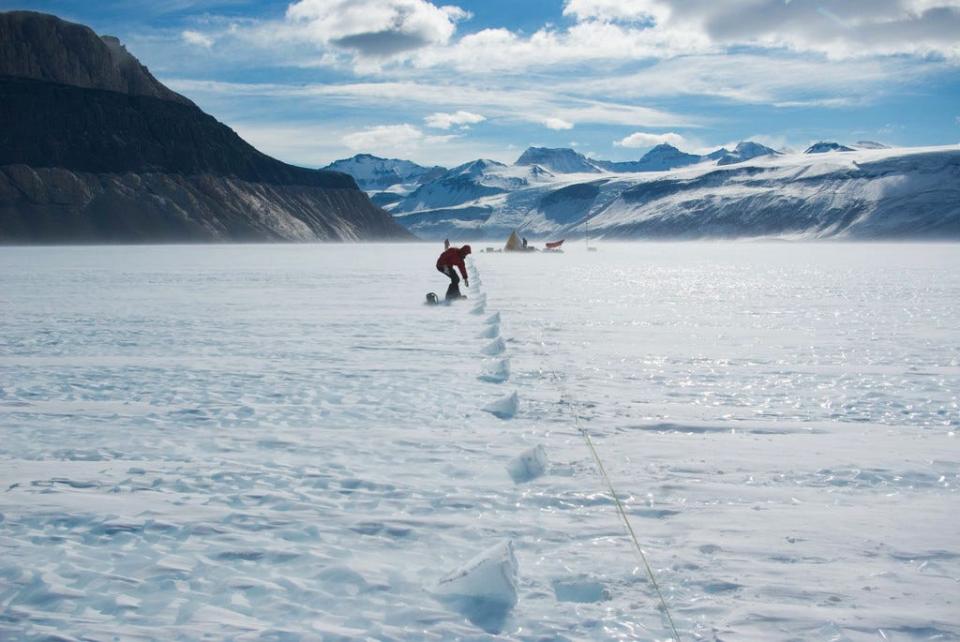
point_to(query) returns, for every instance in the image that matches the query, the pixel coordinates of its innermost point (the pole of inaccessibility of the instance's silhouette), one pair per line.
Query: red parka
(453, 257)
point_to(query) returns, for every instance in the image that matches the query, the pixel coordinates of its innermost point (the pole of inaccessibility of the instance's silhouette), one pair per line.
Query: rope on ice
(595, 455)
(572, 404)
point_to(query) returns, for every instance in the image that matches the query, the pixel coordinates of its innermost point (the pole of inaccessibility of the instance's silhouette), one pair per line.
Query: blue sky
(310, 81)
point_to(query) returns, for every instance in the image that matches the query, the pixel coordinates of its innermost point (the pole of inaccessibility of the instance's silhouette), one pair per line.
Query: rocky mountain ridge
(104, 152)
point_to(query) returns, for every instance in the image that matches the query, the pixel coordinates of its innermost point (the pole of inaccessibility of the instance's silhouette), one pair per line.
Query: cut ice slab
(490, 332)
(491, 575)
(484, 589)
(580, 589)
(495, 347)
(496, 371)
(493, 319)
(528, 465)
(479, 308)
(505, 407)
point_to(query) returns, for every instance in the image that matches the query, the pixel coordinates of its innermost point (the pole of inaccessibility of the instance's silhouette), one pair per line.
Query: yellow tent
(513, 243)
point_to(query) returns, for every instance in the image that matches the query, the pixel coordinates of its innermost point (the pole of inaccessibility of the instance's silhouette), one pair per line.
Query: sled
(433, 299)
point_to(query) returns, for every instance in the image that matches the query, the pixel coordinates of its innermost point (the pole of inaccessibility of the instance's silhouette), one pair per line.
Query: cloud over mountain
(643, 139)
(375, 27)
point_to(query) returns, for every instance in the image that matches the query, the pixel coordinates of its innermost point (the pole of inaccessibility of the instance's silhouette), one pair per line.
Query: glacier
(871, 192)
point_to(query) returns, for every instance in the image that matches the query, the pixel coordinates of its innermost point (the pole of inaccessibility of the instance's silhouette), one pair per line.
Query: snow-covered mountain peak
(665, 156)
(373, 172)
(744, 151)
(718, 154)
(748, 147)
(559, 160)
(478, 167)
(827, 146)
(662, 149)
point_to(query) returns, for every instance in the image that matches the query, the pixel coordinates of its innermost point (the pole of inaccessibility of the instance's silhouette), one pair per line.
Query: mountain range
(864, 190)
(95, 149)
(102, 151)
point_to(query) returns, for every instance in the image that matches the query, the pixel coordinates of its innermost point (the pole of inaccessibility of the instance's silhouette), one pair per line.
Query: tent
(513, 243)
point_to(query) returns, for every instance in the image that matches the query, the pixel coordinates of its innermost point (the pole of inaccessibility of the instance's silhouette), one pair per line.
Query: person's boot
(453, 292)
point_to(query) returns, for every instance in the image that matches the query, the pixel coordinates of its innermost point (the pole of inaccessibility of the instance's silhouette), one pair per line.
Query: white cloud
(374, 28)
(623, 31)
(442, 120)
(198, 39)
(644, 139)
(837, 28)
(404, 138)
(383, 137)
(779, 80)
(606, 10)
(497, 50)
(508, 103)
(680, 46)
(364, 35)
(315, 145)
(557, 123)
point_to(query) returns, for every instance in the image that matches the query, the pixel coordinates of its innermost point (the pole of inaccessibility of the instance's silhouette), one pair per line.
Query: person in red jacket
(449, 262)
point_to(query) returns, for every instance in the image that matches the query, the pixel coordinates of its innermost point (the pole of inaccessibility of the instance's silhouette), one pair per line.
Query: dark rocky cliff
(93, 148)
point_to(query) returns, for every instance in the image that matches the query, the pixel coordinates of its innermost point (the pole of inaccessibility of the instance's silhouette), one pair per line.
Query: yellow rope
(616, 500)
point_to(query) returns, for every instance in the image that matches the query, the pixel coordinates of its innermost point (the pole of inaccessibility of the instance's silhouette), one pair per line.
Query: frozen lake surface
(283, 443)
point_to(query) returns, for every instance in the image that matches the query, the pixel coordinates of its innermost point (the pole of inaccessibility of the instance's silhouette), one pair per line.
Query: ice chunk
(479, 308)
(528, 465)
(505, 407)
(491, 575)
(495, 347)
(580, 589)
(485, 588)
(493, 319)
(490, 332)
(496, 371)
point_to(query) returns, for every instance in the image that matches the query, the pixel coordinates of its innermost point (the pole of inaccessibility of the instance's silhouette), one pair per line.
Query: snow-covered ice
(494, 348)
(485, 588)
(528, 465)
(504, 407)
(496, 371)
(489, 331)
(282, 442)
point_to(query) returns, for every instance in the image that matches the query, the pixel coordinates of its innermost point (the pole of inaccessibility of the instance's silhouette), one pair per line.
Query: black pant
(453, 290)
